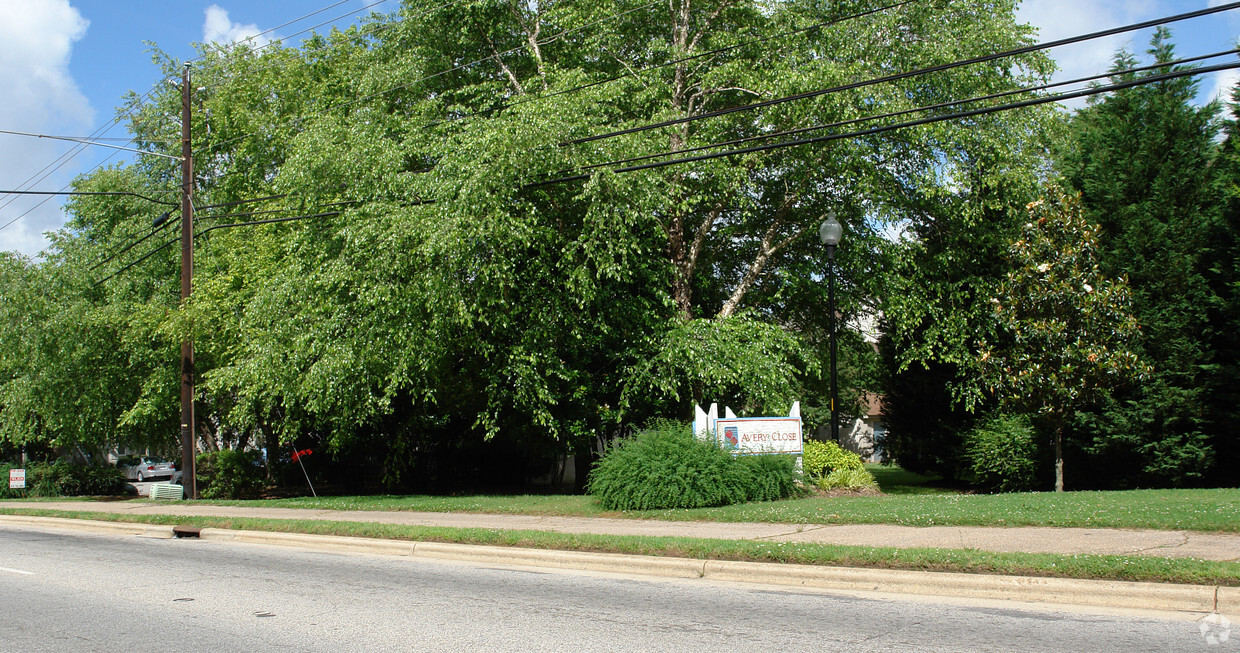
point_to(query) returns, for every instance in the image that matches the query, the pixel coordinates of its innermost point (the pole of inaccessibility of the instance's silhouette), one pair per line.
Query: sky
(65, 65)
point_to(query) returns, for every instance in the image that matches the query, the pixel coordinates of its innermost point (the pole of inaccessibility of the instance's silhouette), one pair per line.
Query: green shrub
(847, 479)
(228, 474)
(1001, 454)
(64, 479)
(773, 477)
(97, 480)
(822, 458)
(666, 467)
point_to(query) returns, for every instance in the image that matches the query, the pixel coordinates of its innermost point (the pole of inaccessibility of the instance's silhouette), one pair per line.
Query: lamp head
(830, 231)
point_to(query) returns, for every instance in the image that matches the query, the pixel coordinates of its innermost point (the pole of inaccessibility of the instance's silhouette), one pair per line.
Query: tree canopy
(506, 231)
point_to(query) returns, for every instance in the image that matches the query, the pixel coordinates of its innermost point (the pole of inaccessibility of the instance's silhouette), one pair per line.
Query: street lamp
(830, 233)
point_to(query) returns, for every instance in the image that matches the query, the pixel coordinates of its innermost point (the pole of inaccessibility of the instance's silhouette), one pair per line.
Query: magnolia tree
(1064, 331)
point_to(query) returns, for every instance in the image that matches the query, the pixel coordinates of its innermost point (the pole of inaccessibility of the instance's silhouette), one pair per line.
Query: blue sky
(66, 64)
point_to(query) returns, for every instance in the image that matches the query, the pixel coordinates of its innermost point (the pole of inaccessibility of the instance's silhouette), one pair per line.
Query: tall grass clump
(664, 467)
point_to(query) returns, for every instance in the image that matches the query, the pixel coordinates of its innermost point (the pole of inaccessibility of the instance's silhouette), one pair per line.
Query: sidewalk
(1067, 541)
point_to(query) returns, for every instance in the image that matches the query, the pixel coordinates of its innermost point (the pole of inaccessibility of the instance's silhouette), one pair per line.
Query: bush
(1001, 454)
(64, 479)
(773, 477)
(666, 467)
(847, 479)
(822, 458)
(228, 474)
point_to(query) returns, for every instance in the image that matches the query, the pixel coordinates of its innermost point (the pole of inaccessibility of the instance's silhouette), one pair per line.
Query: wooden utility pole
(188, 441)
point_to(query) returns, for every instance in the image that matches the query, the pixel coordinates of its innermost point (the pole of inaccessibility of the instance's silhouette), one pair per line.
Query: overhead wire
(492, 57)
(819, 25)
(1096, 90)
(271, 42)
(63, 160)
(804, 141)
(1047, 99)
(94, 141)
(1044, 99)
(213, 228)
(911, 73)
(132, 245)
(894, 114)
(700, 55)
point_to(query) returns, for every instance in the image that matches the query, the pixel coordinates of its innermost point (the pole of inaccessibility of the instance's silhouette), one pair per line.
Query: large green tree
(1065, 332)
(477, 268)
(1140, 158)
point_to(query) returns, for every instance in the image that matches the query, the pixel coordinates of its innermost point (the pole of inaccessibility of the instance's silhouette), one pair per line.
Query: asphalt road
(73, 591)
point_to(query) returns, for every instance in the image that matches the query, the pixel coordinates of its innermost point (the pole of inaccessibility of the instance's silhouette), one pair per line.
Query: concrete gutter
(1165, 597)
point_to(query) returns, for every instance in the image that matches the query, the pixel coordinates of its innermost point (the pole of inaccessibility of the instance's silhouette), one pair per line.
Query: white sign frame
(746, 436)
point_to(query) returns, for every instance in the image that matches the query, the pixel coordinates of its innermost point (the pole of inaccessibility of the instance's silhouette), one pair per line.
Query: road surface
(74, 591)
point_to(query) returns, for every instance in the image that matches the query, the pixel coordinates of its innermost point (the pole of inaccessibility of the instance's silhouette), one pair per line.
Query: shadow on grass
(893, 479)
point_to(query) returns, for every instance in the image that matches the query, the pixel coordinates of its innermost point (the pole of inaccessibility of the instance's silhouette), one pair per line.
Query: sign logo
(731, 439)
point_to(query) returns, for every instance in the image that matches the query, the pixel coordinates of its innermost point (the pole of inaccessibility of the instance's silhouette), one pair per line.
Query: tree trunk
(1059, 458)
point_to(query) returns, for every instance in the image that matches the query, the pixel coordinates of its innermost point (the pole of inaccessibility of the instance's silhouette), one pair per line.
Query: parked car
(146, 468)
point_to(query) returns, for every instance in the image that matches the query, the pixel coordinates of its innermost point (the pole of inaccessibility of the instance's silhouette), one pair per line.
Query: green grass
(1216, 510)
(1109, 567)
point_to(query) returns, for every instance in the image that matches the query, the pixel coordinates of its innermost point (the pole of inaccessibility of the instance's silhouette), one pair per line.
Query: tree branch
(500, 60)
(765, 251)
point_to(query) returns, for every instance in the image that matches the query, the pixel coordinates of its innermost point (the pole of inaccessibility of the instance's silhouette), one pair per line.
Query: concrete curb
(1098, 593)
(1202, 599)
(117, 528)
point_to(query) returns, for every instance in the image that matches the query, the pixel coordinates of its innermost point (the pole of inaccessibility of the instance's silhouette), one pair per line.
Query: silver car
(145, 468)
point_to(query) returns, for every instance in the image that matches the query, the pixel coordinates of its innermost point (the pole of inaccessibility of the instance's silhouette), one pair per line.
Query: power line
(130, 246)
(371, 34)
(90, 142)
(463, 66)
(83, 192)
(895, 114)
(827, 23)
(913, 123)
(63, 160)
(259, 49)
(911, 73)
(208, 229)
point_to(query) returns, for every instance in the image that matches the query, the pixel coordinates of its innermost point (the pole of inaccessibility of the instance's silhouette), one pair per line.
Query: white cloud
(36, 41)
(218, 28)
(1058, 19)
(1220, 84)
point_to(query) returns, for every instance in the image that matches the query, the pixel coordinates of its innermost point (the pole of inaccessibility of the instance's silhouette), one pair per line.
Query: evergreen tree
(1222, 264)
(1139, 157)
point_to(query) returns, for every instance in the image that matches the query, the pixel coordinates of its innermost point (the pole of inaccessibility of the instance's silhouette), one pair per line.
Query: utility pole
(188, 441)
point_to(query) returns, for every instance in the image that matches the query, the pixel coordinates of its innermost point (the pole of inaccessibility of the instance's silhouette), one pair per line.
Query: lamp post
(830, 233)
